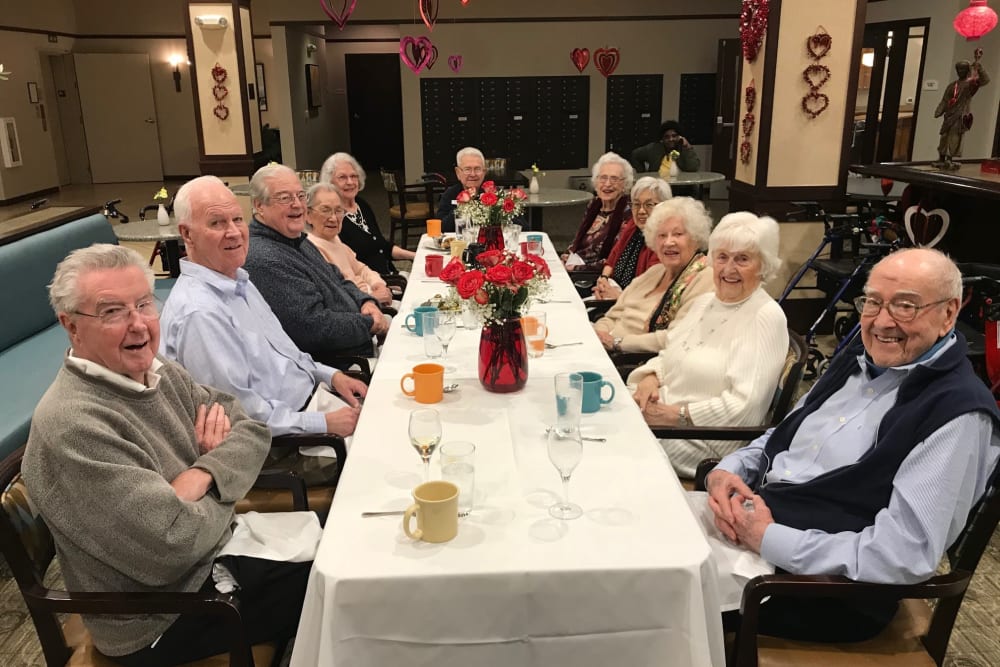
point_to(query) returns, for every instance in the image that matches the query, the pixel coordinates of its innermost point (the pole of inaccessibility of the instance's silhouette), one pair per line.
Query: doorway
(892, 67)
(375, 109)
(729, 67)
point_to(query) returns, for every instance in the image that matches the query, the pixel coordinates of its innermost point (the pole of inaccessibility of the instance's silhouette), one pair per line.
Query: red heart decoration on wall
(815, 103)
(819, 45)
(340, 18)
(221, 111)
(429, 13)
(816, 75)
(455, 63)
(887, 184)
(606, 61)
(415, 52)
(580, 58)
(434, 57)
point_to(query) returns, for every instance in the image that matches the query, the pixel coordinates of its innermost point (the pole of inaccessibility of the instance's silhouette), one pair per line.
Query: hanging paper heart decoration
(819, 44)
(429, 12)
(340, 18)
(926, 222)
(887, 184)
(606, 61)
(815, 103)
(465, 2)
(580, 58)
(434, 57)
(455, 63)
(415, 52)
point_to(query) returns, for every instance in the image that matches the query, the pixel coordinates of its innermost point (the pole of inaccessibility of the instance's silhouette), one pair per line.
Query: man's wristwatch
(617, 344)
(682, 416)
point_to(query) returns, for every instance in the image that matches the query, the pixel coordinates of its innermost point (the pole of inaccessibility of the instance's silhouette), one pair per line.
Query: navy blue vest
(848, 498)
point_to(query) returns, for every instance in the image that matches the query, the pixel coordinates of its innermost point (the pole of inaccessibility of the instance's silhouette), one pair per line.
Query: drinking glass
(471, 233)
(432, 346)
(512, 237)
(425, 434)
(458, 466)
(569, 400)
(535, 332)
(460, 224)
(444, 330)
(565, 452)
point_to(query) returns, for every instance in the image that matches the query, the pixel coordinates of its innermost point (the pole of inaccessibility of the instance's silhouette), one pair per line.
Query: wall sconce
(211, 22)
(310, 49)
(175, 61)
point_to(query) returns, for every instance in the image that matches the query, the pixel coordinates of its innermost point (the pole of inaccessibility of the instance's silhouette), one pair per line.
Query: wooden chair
(409, 205)
(29, 549)
(917, 636)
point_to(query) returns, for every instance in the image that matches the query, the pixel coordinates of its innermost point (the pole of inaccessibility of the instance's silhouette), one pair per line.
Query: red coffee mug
(524, 248)
(433, 265)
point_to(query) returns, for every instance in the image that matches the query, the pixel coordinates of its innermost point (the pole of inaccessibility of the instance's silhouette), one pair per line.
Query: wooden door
(728, 98)
(375, 109)
(116, 96)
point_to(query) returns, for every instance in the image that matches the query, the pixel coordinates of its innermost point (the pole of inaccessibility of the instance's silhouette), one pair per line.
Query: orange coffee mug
(428, 383)
(433, 265)
(433, 228)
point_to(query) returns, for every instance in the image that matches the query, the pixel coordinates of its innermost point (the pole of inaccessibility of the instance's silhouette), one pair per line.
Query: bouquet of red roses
(494, 206)
(502, 287)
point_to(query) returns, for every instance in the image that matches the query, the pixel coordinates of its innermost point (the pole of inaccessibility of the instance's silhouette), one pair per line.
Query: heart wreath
(749, 120)
(815, 75)
(221, 111)
(815, 103)
(753, 25)
(818, 45)
(219, 73)
(219, 92)
(746, 150)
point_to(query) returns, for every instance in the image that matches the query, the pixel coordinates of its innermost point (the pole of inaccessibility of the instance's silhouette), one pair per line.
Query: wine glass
(425, 434)
(565, 452)
(444, 330)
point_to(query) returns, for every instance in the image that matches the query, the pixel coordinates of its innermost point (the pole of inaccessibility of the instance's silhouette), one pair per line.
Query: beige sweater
(339, 254)
(629, 317)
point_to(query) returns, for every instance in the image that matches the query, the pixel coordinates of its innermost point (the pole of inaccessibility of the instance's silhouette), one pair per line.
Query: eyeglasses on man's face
(116, 314)
(901, 311)
(328, 212)
(472, 171)
(286, 198)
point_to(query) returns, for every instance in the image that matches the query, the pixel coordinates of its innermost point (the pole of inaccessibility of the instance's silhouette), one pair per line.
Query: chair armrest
(709, 432)
(345, 361)
(389, 310)
(394, 280)
(597, 309)
(288, 480)
(704, 467)
(316, 440)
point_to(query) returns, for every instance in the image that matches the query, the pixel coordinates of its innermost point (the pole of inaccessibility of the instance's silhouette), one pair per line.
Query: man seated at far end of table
(135, 468)
(651, 156)
(874, 473)
(219, 327)
(323, 312)
(470, 168)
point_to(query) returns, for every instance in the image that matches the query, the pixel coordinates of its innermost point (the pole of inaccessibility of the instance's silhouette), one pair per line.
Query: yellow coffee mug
(457, 247)
(428, 383)
(436, 508)
(433, 228)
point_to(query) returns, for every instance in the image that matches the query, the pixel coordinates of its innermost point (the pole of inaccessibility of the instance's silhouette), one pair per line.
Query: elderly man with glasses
(136, 468)
(323, 313)
(872, 476)
(470, 170)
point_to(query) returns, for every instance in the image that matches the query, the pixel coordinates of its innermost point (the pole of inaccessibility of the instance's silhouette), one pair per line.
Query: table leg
(171, 257)
(535, 218)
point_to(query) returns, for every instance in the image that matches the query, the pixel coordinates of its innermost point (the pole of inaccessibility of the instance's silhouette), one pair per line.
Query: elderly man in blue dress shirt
(220, 328)
(873, 475)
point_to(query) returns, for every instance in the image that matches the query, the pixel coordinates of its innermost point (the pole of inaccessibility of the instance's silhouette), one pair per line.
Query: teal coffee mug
(414, 321)
(593, 391)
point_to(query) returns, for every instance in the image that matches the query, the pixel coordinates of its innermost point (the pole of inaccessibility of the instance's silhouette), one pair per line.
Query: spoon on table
(552, 346)
(448, 388)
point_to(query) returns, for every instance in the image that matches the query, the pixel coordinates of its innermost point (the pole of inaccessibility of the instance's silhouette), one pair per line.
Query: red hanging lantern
(975, 20)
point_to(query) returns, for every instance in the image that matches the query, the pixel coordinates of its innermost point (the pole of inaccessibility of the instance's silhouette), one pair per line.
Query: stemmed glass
(425, 434)
(444, 330)
(565, 445)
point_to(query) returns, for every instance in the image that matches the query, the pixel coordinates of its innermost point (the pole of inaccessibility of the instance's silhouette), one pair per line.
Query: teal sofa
(32, 342)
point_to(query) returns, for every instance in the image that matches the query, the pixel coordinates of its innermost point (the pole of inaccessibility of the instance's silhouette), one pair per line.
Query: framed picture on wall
(33, 92)
(261, 89)
(314, 89)
(10, 146)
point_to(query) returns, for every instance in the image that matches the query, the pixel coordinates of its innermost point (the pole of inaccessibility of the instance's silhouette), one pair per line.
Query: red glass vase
(503, 356)
(491, 236)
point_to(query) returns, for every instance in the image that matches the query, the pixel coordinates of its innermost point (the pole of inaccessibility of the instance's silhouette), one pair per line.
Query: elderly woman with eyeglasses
(612, 178)
(721, 363)
(360, 229)
(325, 214)
(676, 234)
(631, 256)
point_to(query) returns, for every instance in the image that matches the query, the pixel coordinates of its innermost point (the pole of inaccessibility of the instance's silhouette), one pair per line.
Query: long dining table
(631, 582)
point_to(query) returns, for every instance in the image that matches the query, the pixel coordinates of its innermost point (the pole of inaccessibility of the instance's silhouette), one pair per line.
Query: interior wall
(311, 136)
(944, 48)
(264, 54)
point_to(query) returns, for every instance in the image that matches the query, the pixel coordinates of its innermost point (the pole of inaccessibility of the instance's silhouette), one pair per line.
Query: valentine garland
(753, 25)
(219, 91)
(749, 120)
(815, 75)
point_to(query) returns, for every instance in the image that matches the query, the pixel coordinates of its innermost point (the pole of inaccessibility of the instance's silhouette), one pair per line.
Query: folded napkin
(736, 564)
(279, 536)
(574, 260)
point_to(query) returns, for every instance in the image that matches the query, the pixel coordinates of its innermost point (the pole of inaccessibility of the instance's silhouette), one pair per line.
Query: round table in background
(696, 179)
(167, 236)
(537, 203)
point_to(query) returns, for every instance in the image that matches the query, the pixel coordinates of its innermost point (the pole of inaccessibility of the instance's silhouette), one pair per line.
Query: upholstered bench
(32, 343)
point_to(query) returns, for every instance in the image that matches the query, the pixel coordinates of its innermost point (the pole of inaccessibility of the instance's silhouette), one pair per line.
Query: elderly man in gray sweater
(321, 311)
(136, 469)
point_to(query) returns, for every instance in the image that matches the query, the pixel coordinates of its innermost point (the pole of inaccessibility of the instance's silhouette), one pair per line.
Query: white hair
(182, 200)
(64, 293)
(613, 158)
(947, 275)
(467, 151)
(746, 232)
(330, 166)
(657, 186)
(697, 221)
(313, 192)
(259, 190)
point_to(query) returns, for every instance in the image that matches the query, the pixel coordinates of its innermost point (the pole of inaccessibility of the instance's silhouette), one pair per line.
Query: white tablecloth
(631, 582)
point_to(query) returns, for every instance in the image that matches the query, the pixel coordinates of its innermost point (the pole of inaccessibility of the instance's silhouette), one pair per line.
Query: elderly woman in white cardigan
(721, 363)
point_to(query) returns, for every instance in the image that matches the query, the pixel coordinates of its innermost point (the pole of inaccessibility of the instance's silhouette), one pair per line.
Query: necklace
(358, 220)
(707, 321)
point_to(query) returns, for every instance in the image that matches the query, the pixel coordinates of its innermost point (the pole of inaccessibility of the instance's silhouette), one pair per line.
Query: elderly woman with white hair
(360, 229)
(677, 235)
(612, 177)
(631, 256)
(721, 364)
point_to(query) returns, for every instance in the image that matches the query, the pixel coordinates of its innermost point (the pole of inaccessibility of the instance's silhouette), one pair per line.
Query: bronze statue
(954, 107)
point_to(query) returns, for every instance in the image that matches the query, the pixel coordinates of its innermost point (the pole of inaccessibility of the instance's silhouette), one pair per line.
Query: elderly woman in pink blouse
(326, 217)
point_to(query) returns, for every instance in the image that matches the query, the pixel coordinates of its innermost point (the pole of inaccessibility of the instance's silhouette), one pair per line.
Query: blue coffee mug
(414, 322)
(593, 390)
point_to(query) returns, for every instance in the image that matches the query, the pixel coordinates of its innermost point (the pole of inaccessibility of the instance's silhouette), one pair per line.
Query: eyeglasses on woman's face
(328, 212)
